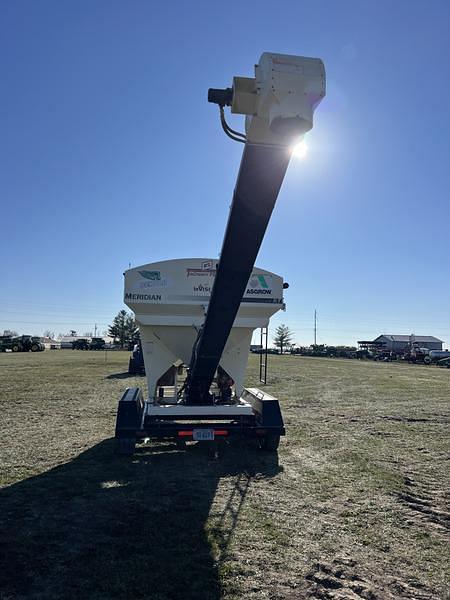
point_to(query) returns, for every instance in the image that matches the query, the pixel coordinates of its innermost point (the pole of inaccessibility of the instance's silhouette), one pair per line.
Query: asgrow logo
(259, 285)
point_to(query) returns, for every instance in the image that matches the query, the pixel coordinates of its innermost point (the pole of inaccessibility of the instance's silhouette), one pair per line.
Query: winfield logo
(152, 275)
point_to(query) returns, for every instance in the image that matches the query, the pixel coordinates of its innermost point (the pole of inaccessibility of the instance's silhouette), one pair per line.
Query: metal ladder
(263, 356)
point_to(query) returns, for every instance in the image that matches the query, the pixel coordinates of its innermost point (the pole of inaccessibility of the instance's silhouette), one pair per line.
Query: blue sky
(110, 155)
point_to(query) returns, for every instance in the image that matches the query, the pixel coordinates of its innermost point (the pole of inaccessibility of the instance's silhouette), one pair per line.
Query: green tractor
(80, 344)
(444, 362)
(94, 343)
(97, 343)
(36, 344)
(21, 343)
(5, 343)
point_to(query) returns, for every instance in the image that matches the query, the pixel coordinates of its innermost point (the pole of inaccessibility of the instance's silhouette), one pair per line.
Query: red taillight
(190, 432)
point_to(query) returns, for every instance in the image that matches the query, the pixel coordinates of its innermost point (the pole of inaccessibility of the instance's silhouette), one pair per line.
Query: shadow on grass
(124, 375)
(103, 526)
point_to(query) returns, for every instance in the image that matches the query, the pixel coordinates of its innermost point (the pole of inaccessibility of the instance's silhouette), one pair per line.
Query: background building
(397, 343)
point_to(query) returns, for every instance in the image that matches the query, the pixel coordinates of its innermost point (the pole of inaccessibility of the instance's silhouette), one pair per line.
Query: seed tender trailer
(197, 316)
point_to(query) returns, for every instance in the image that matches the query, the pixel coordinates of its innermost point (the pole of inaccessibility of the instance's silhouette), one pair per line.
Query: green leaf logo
(153, 275)
(262, 281)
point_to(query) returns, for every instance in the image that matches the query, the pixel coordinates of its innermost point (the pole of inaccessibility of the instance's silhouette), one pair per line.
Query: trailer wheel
(269, 442)
(15, 348)
(125, 446)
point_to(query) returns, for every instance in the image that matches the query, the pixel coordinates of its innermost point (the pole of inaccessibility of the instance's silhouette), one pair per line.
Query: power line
(71, 322)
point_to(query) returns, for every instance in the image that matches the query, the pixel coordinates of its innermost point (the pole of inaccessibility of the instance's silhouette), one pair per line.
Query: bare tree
(10, 332)
(49, 334)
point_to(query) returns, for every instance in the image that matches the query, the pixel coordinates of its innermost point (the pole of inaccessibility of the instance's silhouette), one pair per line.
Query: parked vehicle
(136, 363)
(385, 356)
(97, 343)
(80, 344)
(5, 343)
(417, 355)
(36, 344)
(21, 343)
(436, 355)
(444, 362)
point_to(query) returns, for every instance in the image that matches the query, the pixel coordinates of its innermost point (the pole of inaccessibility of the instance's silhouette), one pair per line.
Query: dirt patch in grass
(355, 505)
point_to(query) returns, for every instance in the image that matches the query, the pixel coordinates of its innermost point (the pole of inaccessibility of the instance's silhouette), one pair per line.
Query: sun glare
(300, 150)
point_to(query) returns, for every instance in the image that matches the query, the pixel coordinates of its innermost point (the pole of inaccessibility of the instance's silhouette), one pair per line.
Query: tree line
(125, 332)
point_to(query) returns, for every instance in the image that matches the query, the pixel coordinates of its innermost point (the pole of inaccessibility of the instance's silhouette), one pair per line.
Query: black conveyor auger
(279, 104)
(259, 180)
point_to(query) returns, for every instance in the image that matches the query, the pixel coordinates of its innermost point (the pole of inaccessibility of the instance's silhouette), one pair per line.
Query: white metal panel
(235, 356)
(170, 299)
(181, 411)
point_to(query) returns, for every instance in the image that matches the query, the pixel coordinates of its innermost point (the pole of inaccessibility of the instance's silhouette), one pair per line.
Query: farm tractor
(86, 344)
(136, 364)
(196, 316)
(21, 343)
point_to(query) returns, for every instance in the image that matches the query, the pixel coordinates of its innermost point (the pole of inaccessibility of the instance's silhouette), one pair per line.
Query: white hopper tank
(170, 300)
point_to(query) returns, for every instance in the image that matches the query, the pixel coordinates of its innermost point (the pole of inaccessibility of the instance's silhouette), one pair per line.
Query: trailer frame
(256, 415)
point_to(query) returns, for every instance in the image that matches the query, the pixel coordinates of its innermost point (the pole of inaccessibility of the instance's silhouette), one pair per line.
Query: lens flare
(300, 150)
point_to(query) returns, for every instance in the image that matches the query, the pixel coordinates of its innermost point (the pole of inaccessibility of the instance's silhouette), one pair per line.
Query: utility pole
(315, 327)
(95, 330)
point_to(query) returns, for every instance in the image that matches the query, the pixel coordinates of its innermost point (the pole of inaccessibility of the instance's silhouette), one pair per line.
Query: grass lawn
(354, 506)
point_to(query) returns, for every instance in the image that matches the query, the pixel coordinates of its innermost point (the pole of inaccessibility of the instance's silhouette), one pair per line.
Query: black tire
(269, 442)
(34, 348)
(125, 446)
(15, 348)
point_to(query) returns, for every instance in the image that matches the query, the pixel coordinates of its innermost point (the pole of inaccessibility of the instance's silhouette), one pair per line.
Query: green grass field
(354, 506)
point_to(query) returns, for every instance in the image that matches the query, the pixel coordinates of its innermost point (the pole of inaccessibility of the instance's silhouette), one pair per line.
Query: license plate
(203, 434)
